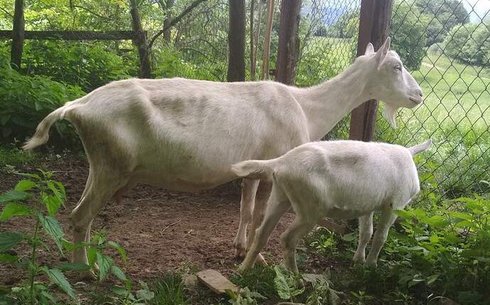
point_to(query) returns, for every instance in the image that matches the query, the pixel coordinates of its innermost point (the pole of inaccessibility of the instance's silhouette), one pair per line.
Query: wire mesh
(448, 53)
(444, 43)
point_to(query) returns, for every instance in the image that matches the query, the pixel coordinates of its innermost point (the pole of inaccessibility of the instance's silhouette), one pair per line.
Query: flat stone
(216, 281)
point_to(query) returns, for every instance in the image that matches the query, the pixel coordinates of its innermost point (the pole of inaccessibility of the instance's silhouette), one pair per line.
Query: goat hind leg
(365, 233)
(247, 202)
(263, 193)
(386, 220)
(98, 191)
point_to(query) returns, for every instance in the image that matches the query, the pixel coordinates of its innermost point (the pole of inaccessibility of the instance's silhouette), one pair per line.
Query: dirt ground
(160, 230)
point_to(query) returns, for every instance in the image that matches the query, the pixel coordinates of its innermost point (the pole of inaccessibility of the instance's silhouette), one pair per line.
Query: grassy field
(456, 115)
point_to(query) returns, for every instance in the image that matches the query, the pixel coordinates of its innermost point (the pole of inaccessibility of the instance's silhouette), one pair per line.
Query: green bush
(26, 100)
(469, 44)
(88, 65)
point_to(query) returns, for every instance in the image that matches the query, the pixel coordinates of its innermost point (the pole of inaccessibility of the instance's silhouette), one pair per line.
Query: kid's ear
(381, 53)
(369, 49)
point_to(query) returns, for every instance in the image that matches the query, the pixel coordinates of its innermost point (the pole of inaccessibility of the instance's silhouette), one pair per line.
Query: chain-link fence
(444, 43)
(446, 46)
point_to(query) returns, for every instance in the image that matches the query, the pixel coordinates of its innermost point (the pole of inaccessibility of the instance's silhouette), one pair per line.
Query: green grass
(456, 116)
(455, 94)
(11, 156)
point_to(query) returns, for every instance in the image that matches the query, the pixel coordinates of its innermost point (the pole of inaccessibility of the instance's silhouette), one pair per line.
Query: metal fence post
(374, 26)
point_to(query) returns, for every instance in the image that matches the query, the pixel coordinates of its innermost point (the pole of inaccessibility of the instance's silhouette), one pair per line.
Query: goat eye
(398, 68)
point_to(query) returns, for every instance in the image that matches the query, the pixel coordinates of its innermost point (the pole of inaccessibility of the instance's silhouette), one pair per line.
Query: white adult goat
(185, 134)
(336, 179)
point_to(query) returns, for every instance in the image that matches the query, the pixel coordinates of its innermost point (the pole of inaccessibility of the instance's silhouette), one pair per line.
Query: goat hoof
(240, 252)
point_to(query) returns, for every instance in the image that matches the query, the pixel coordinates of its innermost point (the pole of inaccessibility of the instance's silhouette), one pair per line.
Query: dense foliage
(469, 43)
(26, 100)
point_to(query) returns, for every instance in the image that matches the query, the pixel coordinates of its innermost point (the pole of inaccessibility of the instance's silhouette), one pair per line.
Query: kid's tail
(420, 147)
(254, 169)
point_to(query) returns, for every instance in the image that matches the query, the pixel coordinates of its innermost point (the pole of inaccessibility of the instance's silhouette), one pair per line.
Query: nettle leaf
(52, 227)
(104, 263)
(52, 203)
(57, 277)
(25, 185)
(286, 283)
(13, 196)
(8, 258)
(118, 273)
(9, 239)
(58, 190)
(13, 209)
(119, 248)
(73, 267)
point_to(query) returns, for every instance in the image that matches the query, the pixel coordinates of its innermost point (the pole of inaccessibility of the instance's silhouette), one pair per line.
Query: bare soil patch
(161, 230)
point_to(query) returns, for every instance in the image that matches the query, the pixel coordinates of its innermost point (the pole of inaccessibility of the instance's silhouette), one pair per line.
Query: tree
(408, 31)
(443, 15)
(469, 43)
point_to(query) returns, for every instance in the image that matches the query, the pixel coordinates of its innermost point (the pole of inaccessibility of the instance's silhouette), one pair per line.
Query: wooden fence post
(374, 26)
(287, 55)
(17, 35)
(236, 41)
(140, 42)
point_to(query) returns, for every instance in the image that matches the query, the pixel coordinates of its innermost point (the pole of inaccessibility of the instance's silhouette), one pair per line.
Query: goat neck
(327, 103)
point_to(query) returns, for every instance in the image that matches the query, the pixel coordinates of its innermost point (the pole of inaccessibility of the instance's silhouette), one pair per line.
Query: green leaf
(118, 273)
(9, 239)
(25, 185)
(57, 277)
(52, 227)
(13, 196)
(8, 258)
(14, 209)
(52, 203)
(104, 263)
(73, 267)
(58, 190)
(91, 255)
(119, 248)
(285, 283)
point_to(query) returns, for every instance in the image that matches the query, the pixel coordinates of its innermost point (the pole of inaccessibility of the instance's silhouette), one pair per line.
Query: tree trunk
(287, 54)
(267, 40)
(18, 35)
(140, 42)
(236, 41)
(373, 27)
(168, 19)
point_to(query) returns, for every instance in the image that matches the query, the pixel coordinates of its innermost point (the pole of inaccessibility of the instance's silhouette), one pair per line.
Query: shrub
(26, 100)
(88, 65)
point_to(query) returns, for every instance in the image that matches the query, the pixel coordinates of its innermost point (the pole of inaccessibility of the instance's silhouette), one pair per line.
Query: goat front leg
(365, 233)
(247, 202)
(386, 220)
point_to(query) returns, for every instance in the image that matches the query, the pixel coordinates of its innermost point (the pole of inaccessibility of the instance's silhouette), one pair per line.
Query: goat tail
(254, 169)
(41, 135)
(420, 147)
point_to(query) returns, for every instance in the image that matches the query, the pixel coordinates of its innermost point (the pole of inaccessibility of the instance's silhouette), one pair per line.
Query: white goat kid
(185, 134)
(336, 179)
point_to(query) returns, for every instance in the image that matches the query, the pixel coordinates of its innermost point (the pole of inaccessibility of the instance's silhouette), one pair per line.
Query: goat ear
(389, 113)
(381, 54)
(369, 49)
